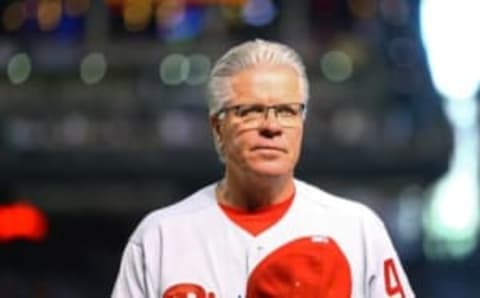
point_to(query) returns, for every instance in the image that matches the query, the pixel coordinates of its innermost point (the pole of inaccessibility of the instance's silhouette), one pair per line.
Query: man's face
(269, 148)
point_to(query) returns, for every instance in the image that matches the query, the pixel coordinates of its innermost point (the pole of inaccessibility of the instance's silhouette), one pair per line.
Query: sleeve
(130, 281)
(385, 276)
(139, 273)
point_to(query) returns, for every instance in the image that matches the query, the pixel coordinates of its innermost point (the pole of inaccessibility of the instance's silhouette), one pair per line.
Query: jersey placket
(255, 253)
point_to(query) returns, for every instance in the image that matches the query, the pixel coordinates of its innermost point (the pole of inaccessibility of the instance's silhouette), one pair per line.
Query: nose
(270, 126)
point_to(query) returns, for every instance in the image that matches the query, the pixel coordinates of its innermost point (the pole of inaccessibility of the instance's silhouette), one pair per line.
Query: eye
(247, 111)
(286, 110)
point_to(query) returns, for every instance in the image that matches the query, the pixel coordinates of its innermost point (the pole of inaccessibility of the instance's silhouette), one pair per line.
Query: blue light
(70, 28)
(259, 12)
(187, 26)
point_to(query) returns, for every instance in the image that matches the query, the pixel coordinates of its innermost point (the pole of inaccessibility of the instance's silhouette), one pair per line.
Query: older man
(259, 232)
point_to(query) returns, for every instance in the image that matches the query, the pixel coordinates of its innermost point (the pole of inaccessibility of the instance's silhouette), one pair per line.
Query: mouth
(269, 148)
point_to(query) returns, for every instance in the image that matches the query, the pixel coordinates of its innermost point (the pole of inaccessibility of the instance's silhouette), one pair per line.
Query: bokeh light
(76, 7)
(14, 16)
(93, 68)
(349, 126)
(174, 69)
(232, 15)
(169, 13)
(408, 221)
(176, 21)
(259, 12)
(176, 128)
(452, 219)
(19, 134)
(198, 70)
(137, 14)
(448, 250)
(457, 219)
(336, 66)
(22, 220)
(395, 12)
(75, 128)
(451, 222)
(451, 48)
(19, 68)
(363, 8)
(49, 14)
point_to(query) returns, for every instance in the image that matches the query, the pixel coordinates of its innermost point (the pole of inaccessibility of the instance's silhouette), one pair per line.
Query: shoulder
(335, 205)
(196, 202)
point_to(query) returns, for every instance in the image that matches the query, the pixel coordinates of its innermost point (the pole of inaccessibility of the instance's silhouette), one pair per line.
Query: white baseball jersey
(323, 246)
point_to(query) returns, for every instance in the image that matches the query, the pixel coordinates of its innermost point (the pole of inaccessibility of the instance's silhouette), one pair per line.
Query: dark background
(95, 152)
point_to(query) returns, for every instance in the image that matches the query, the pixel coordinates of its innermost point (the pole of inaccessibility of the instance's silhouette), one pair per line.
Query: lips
(269, 148)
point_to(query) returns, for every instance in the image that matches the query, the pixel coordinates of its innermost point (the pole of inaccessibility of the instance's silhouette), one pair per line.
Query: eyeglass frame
(266, 109)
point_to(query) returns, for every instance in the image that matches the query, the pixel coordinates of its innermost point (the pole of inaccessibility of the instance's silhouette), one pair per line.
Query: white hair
(246, 55)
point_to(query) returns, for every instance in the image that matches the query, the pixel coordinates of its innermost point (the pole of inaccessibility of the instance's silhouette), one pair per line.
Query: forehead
(266, 83)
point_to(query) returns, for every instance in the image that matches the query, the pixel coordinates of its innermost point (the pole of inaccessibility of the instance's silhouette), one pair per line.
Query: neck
(254, 192)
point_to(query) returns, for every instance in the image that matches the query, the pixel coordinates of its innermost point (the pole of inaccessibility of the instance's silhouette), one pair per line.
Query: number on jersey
(393, 286)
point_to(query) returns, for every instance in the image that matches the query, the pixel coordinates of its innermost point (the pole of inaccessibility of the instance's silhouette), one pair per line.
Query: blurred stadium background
(103, 118)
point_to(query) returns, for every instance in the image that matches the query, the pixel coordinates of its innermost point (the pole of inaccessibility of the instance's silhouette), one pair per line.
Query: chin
(270, 169)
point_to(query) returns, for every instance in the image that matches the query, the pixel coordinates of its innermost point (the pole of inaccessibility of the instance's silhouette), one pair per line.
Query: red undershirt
(258, 220)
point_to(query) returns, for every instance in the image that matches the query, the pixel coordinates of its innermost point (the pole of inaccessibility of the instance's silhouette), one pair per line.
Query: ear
(216, 127)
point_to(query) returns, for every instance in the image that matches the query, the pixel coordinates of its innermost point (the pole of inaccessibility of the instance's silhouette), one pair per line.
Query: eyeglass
(253, 115)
